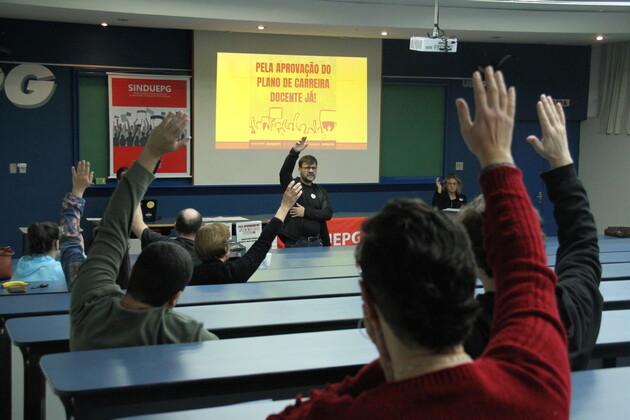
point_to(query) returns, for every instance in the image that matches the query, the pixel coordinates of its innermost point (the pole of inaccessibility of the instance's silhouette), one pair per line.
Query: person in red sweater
(418, 275)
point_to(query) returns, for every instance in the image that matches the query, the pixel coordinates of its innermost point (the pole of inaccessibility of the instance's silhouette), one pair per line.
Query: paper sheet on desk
(224, 219)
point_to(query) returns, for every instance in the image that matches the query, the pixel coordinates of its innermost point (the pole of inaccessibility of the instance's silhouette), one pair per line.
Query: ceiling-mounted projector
(436, 42)
(441, 44)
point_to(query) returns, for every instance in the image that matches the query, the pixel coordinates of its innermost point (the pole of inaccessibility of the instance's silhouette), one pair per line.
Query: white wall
(605, 172)
(604, 163)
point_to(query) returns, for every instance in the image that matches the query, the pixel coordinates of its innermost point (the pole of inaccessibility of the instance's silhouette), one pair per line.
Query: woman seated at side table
(211, 246)
(450, 195)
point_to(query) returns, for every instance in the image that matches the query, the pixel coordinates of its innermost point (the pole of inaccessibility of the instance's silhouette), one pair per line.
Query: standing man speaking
(305, 224)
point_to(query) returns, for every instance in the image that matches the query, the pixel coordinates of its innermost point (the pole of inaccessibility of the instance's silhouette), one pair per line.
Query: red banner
(162, 93)
(125, 156)
(343, 231)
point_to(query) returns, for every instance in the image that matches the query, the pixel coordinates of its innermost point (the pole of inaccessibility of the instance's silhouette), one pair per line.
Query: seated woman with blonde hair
(41, 264)
(450, 195)
(211, 246)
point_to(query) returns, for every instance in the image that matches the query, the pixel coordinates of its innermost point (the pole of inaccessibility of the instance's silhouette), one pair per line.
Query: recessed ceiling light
(599, 37)
(261, 27)
(103, 23)
(384, 33)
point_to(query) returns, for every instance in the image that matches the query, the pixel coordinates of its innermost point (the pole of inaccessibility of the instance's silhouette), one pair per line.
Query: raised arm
(577, 259)
(286, 171)
(527, 332)
(72, 207)
(71, 243)
(82, 178)
(438, 185)
(243, 268)
(137, 224)
(110, 243)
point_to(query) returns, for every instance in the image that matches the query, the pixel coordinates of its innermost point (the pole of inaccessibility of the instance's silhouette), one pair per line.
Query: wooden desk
(303, 273)
(599, 394)
(278, 317)
(596, 394)
(268, 291)
(274, 360)
(615, 271)
(604, 257)
(34, 288)
(616, 294)
(614, 337)
(319, 256)
(248, 410)
(37, 336)
(14, 306)
(125, 381)
(606, 244)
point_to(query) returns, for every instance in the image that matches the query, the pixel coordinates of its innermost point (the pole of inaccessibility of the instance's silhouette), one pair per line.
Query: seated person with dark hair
(418, 278)
(41, 263)
(101, 316)
(187, 224)
(577, 260)
(120, 172)
(211, 245)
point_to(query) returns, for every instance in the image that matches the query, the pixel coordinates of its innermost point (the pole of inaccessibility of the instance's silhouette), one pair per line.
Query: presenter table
(344, 228)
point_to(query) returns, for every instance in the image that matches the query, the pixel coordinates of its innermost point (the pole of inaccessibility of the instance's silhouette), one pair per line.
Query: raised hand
(489, 137)
(291, 194)
(300, 145)
(164, 138)
(554, 145)
(438, 185)
(81, 178)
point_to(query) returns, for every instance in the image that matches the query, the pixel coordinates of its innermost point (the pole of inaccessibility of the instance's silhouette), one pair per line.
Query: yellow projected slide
(268, 101)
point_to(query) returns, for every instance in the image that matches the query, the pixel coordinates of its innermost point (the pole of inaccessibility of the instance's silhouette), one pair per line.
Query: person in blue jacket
(41, 263)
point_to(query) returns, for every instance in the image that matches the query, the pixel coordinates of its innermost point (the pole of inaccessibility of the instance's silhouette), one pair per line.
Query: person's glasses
(454, 184)
(310, 168)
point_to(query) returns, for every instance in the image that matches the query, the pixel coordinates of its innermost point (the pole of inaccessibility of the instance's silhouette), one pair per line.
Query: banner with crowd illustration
(138, 104)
